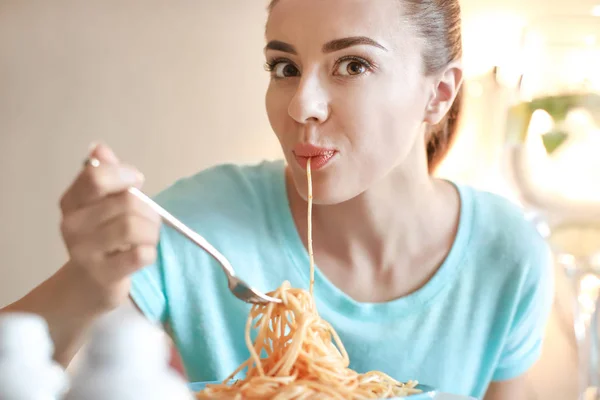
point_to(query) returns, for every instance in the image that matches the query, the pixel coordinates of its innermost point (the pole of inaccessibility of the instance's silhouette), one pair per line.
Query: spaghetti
(302, 355)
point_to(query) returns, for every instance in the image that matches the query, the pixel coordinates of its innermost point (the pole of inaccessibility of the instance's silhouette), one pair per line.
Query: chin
(327, 187)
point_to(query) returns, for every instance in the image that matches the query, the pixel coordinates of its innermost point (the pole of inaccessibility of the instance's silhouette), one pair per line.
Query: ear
(446, 85)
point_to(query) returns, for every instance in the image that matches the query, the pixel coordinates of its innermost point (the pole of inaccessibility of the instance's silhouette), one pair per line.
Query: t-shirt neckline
(330, 295)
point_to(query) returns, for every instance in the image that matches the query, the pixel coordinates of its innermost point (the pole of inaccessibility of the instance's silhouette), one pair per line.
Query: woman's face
(347, 89)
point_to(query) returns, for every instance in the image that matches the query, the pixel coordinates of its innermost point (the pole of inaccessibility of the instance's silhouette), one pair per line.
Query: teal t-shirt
(480, 318)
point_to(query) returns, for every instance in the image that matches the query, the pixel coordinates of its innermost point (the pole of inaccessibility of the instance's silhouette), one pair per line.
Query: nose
(310, 102)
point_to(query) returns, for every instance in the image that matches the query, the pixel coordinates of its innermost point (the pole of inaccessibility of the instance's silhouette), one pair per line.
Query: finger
(86, 220)
(103, 153)
(123, 264)
(118, 234)
(130, 230)
(94, 183)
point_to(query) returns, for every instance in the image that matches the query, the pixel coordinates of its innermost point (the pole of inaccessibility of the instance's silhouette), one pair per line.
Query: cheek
(380, 123)
(277, 103)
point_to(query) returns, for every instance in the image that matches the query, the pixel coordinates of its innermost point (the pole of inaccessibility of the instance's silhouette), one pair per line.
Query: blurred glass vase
(553, 164)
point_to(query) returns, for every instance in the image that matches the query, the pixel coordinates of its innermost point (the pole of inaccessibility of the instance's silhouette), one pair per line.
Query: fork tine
(248, 294)
(254, 297)
(263, 299)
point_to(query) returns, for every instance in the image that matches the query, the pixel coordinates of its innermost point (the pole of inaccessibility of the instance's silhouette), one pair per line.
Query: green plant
(519, 116)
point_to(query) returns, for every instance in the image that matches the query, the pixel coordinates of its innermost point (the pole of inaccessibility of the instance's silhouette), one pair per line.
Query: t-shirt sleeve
(523, 344)
(148, 288)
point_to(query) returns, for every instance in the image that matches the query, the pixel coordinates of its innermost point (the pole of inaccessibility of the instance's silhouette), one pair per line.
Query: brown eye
(351, 68)
(285, 70)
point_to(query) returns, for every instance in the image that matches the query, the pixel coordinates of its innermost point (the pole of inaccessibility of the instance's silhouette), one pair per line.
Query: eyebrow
(281, 46)
(329, 47)
(340, 44)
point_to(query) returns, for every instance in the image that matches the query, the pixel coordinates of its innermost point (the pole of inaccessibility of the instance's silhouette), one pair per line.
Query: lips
(319, 156)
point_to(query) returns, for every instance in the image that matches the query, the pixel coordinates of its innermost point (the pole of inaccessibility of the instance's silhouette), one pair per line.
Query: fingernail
(131, 176)
(92, 146)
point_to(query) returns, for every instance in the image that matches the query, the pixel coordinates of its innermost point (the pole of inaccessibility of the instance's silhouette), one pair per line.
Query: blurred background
(177, 86)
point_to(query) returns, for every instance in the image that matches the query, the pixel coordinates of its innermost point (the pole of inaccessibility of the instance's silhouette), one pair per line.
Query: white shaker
(127, 359)
(27, 371)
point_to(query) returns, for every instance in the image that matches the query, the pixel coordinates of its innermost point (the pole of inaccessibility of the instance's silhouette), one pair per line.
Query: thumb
(103, 153)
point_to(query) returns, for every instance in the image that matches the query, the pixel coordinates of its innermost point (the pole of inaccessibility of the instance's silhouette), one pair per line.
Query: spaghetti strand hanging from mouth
(309, 227)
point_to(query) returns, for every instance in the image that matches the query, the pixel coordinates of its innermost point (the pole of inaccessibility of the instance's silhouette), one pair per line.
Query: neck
(392, 223)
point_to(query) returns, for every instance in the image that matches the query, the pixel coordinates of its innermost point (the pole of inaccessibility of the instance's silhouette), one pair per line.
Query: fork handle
(180, 227)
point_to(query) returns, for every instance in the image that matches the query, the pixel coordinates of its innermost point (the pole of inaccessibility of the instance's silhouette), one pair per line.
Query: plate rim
(428, 391)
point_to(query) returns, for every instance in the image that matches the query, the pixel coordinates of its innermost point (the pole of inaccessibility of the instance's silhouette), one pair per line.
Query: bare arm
(109, 235)
(514, 389)
(69, 301)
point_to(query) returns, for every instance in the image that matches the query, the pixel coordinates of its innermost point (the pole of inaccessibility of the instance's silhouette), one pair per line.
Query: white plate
(427, 394)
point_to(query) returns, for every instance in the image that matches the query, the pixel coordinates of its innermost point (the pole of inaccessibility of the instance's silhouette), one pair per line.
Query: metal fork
(238, 287)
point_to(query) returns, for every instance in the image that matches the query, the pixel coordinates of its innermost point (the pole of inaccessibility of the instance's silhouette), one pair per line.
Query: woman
(422, 278)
